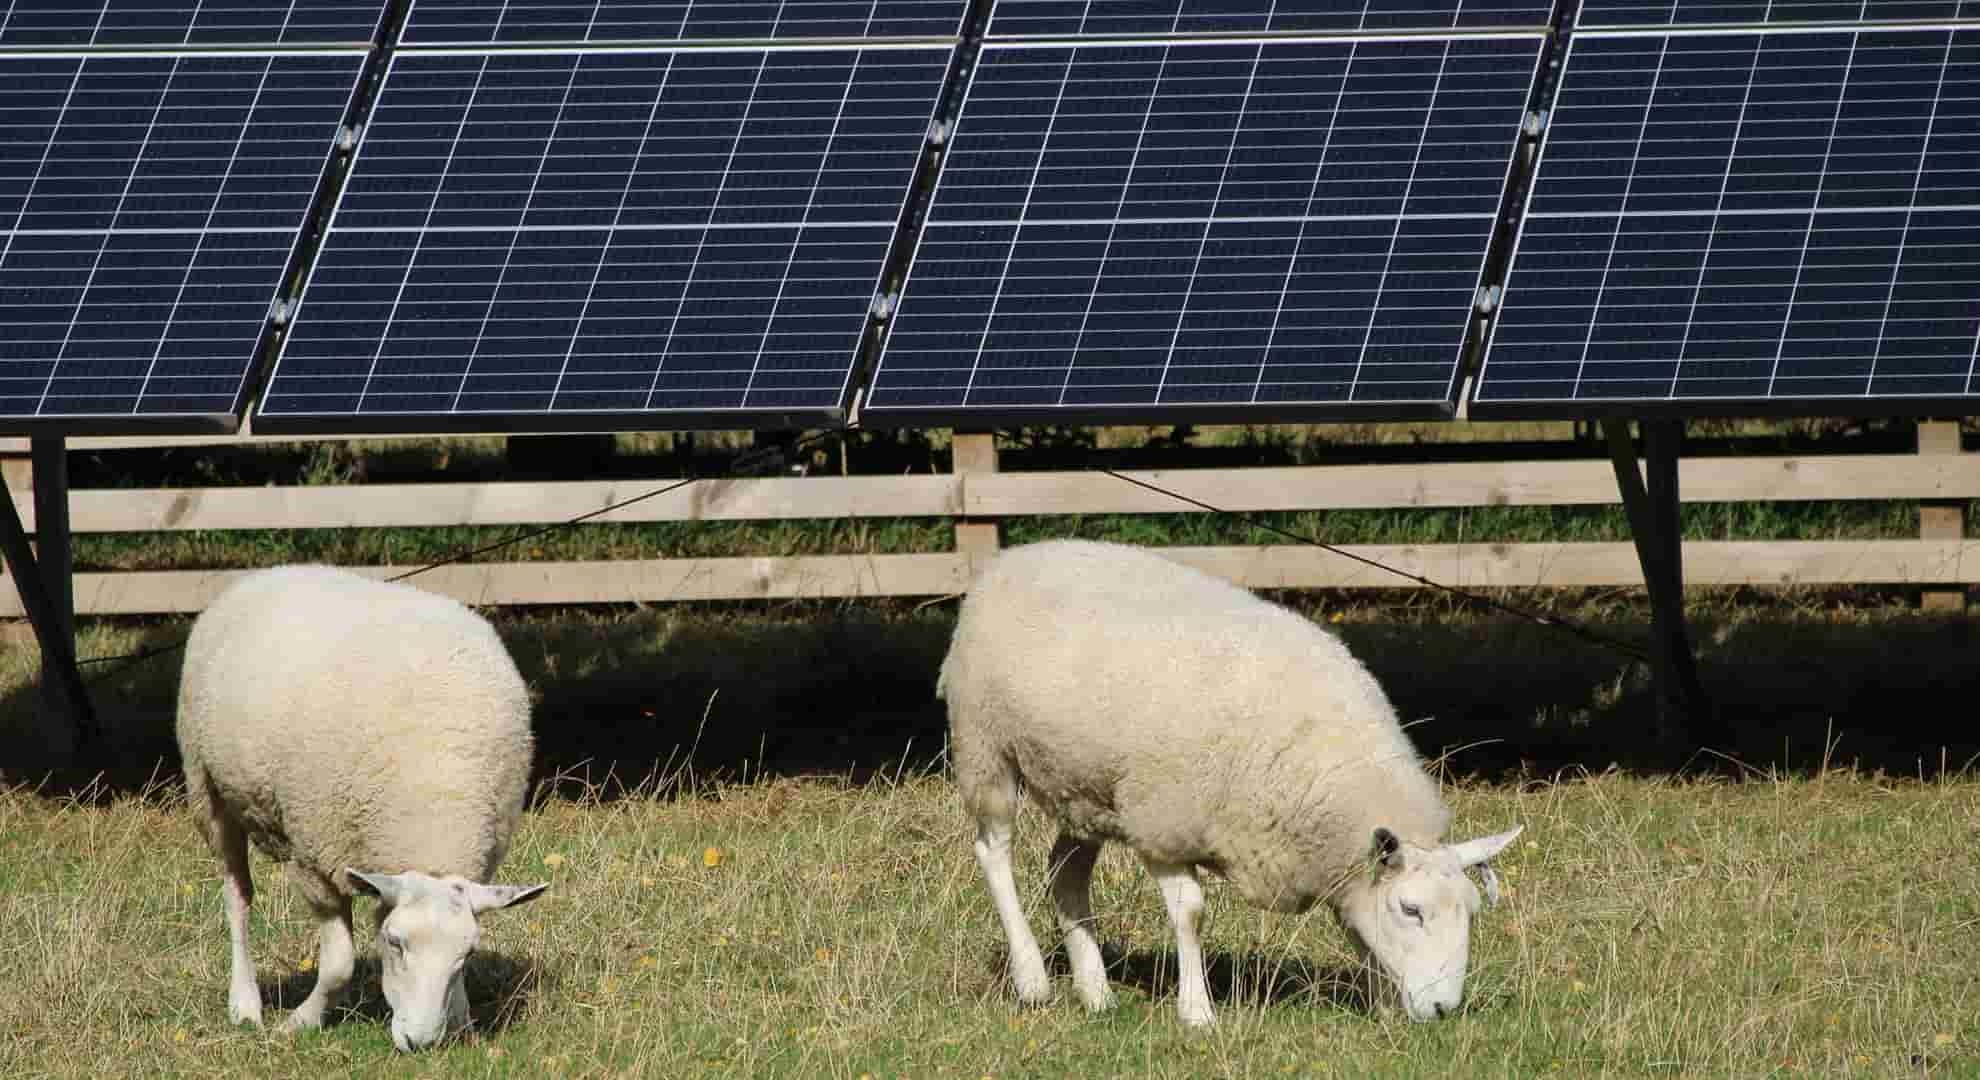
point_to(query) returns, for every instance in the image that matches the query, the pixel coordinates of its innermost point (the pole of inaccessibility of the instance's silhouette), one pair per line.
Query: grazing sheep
(377, 739)
(1139, 700)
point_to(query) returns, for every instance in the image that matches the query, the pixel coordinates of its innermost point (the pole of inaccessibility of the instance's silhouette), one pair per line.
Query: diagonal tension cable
(741, 464)
(1593, 637)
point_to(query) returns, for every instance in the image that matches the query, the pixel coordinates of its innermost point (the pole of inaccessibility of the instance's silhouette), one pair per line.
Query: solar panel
(1750, 223)
(1285, 228)
(539, 22)
(146, 217)
(550, 240)
(1083, 18)
(1613, 14)
(64, 24)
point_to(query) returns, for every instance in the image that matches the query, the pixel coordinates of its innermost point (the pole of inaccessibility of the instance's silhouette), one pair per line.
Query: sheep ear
(490, 897)
(385, 887)
(1474, 852)
(1387, 850)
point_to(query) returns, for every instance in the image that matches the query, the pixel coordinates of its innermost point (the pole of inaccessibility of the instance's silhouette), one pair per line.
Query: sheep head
(426, 929)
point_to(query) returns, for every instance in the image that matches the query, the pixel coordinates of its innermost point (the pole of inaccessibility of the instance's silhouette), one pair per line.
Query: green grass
(1808, 927)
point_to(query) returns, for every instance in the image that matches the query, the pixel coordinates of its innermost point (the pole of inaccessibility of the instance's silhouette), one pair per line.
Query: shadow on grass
(499, 988)
(698, 694)
(1247, 979)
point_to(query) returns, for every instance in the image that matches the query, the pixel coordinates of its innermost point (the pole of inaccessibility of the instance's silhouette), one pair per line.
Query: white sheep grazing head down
(1414, 916)
(426, 929)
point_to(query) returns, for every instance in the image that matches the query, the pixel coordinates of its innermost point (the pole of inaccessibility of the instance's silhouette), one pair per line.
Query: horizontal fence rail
(979, 493)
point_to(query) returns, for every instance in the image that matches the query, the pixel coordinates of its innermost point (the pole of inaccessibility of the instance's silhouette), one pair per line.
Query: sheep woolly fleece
(1146, 702)
(348, 722)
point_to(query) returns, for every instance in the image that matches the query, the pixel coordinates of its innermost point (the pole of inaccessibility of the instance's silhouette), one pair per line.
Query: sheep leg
(993, 854)
(336, 957)
(1183, 896)
(1071, 872)
(229, 841)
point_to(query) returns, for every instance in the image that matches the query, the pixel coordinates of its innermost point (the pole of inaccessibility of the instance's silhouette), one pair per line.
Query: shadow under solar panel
(146, 225)
(1750, 224)
(1249, 229)
(613, 239)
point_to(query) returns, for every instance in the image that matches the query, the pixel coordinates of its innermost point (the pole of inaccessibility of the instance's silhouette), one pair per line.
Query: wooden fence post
(1941, 519)
(975, 452)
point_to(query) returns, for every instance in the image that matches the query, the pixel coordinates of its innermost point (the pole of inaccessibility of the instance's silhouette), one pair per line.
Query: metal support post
(1682, 707)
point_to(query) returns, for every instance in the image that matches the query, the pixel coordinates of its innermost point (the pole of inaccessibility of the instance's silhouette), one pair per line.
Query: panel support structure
(1651, 500)
(43, 581)
(977, 538)
(1941, 519)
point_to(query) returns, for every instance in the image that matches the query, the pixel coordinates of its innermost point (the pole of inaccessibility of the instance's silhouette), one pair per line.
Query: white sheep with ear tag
(376, 737)
(1142, 701)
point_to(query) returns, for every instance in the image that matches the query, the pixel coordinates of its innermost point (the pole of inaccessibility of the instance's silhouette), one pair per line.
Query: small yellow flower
(712, 857)
(822, 954)
(608, 985)
(553, 860)
(308, 963)
(1578, 986)
(1336, 617)
(1832, 1019)
(535, 926)
(649, 960)
(180, 1035)
(1943, 1038)
(186, 889)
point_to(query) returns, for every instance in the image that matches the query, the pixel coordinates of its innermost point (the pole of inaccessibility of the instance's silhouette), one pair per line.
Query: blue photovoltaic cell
(146, 217)
(480, 22)
(1750, 219)
(528, 239)
(1080, 18)
(1653, 13)
(1286, 224)
(65, 24)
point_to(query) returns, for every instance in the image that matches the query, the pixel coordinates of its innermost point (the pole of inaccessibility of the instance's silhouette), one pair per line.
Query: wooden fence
(977, 496)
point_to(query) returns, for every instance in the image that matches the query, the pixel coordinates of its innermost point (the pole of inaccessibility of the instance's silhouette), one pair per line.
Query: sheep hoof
(1098, 1002)
(244, 1011)
(1197, 1017)
(304, 1019)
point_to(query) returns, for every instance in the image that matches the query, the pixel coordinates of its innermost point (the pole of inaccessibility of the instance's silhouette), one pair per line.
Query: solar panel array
(1208, 226)
(1750, 222)
(543, 239)
(608, 214)
(148, 207)
(66, 24)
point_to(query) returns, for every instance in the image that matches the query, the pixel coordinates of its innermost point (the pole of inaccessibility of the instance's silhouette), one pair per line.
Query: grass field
(1665, 918)
(1806, 927)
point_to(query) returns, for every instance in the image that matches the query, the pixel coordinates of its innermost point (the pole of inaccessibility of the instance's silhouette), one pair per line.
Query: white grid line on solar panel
(701, 238)
(185, 277)
(394, 160)
(1409, 185)
(508, 253)
(1904, 233)
(1827, 121)
(26, 25)
(779, 335)
(190, 108)
(898, 370)
(1014, 19)
(618, 214)
(483, 24)
(1263, 285)
(1717, 14)
(453, 148)
(1369, 117)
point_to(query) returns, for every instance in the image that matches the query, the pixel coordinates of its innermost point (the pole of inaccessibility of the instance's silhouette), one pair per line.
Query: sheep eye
(1411, 911)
